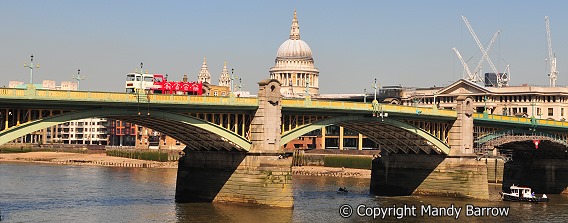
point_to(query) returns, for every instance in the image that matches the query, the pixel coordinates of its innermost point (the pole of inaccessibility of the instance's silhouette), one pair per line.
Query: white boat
(523, 194)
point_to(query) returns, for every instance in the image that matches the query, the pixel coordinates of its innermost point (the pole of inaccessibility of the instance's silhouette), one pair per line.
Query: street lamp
(375, 86)
(365, 95)
(78, 78)
(31, 66)
(232, 87)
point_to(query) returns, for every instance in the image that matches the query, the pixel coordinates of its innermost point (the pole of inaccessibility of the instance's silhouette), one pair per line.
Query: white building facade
(294, 66)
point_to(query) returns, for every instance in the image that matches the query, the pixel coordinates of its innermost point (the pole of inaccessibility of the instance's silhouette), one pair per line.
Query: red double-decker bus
(160, 85)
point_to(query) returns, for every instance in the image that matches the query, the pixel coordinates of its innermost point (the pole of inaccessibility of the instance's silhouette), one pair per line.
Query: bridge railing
(523, 120)
(341, 105)
(65, 95)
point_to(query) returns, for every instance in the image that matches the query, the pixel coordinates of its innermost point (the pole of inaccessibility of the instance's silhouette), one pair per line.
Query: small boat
(342, 190)
(523, 194)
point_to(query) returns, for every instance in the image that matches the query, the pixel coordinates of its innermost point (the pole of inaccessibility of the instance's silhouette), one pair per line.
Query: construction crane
(478, 67)
(502, 79)
(551, 57)
(470, 76)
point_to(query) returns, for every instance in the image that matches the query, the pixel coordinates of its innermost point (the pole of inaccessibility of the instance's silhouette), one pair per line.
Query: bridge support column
(461, 132)
(455, 174)
(542, 175)
(407, 174)
(258, 177)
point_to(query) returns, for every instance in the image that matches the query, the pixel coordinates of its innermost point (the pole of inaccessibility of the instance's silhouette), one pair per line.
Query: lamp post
(31, 66)
(365, 95)
(78, 78)
(375, 86)
(231, 87)
(485, 113)
(307, 88)
(435, 105)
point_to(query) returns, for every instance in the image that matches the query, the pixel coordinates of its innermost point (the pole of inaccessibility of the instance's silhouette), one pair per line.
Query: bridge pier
(260, 176)
(235, 177)
(407, 174)
(456, 174)
(542, 175)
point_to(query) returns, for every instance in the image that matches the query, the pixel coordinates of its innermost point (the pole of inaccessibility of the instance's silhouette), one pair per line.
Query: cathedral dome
(294, 48)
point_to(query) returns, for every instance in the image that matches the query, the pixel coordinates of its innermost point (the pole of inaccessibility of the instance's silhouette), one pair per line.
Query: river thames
(33, 192)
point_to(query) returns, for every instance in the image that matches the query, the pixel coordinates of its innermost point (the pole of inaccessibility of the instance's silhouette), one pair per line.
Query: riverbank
(66, 158)
(331, 171)
(102, 159)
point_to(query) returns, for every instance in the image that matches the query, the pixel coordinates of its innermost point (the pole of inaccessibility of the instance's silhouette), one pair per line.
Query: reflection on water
(48, 193)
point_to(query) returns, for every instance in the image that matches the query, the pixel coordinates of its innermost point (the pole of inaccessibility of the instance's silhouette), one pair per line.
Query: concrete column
(323, 138)
(340, 142)
(18, 117)
(360, 142)
(7, 117)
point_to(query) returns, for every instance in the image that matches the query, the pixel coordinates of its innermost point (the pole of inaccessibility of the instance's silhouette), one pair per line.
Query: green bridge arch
(512, 132)
(291, 135)
(14, 132)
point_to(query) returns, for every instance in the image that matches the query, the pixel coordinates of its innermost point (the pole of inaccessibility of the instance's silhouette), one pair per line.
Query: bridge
(234, 144)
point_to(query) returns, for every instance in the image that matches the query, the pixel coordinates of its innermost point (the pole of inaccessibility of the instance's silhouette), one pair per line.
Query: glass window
(550, 112)
(130, 77)
(148, 79)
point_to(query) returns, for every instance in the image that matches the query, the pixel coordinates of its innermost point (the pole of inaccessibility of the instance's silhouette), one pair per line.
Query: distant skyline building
(46, 84)
(294, 66)
(225, 79)
(204, 76)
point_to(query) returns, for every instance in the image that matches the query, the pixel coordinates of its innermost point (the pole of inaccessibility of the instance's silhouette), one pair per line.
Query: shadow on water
(401, 174)
(219, 212)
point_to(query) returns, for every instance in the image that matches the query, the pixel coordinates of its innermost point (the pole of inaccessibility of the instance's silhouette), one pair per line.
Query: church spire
(225, 80)
(295, 30)
(204, 76)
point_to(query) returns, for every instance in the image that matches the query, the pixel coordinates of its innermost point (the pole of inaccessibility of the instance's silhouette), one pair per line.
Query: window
(550, 111)
(130, 77)
(562, 112)
(215, 93)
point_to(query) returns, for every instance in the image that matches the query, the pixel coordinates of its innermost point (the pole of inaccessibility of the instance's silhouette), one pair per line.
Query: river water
(54, 193)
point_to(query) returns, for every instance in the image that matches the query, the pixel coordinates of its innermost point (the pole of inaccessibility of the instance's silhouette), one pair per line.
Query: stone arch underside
(392, 135)
(196, 134)
(512, 135)
(521, 143)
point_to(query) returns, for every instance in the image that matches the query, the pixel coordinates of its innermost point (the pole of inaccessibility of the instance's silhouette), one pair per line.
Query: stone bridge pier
(455, 174)
(544, 176)
(256, 177)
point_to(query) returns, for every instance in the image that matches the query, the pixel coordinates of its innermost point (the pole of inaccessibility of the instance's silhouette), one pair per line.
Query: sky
(406, 43)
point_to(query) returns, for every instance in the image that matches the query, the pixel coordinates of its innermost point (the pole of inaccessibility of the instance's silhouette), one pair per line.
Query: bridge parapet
(361, 106)
(61, 95)
(519, 120)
